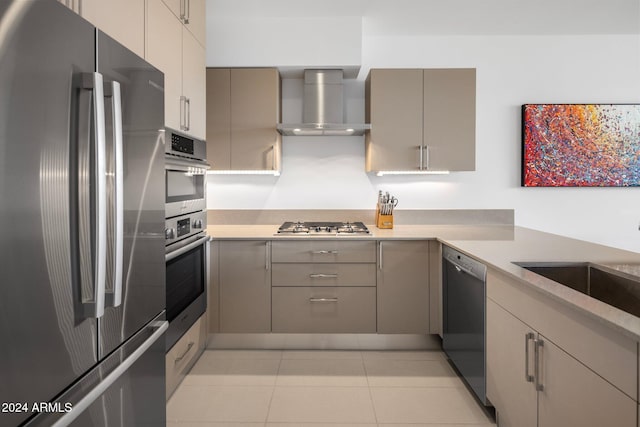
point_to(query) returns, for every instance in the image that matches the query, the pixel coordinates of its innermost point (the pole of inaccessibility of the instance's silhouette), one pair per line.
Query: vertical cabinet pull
(527, 338)
(421, 149)
(182, 108)
(427, 158)
(537, 368)
(185, 9)
(380, 255)
(187, 113)
(267, 255)
(273, 157)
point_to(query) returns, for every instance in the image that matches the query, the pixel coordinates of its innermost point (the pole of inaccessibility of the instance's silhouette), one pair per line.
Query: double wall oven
(186, 241)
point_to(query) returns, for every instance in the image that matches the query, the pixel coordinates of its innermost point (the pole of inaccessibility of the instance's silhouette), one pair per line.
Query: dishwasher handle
(464, 264)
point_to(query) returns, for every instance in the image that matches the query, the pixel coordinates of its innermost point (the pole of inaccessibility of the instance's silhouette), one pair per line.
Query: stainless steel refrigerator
(82, 286)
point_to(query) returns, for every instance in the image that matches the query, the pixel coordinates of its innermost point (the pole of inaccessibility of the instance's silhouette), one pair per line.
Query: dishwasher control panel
(464, 263)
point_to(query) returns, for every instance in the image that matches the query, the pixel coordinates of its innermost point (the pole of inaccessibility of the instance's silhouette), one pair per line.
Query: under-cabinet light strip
(441, 172)
(244, 172)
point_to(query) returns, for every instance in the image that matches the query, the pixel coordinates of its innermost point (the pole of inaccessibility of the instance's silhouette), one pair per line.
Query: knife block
(383, 221)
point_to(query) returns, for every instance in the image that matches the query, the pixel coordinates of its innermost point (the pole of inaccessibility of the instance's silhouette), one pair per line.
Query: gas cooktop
(323, 228)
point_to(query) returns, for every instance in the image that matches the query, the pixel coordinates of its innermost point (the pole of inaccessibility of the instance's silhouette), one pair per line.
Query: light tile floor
(238, 388)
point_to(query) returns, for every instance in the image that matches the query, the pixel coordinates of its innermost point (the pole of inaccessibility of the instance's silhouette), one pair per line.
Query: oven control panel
(181, 227)
(184, 146)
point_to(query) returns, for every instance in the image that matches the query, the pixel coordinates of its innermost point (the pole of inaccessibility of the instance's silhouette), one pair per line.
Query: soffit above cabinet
(289, 44)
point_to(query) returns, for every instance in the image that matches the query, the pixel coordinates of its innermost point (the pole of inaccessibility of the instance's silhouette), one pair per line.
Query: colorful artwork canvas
(580, 145)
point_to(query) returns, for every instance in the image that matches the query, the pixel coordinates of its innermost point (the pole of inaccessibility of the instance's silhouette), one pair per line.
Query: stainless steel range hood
(323, 108)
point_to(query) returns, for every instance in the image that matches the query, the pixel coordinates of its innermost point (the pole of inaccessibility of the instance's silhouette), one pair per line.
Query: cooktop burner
(323, 228)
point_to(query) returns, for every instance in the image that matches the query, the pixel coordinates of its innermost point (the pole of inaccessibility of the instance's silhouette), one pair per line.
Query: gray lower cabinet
(324, 286)
(245, 286)
(321, 251)
(323, 274)
(403, 287)
(309, 309)
(550, 390)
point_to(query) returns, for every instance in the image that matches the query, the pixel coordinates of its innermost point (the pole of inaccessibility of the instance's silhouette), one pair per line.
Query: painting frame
(580, 145)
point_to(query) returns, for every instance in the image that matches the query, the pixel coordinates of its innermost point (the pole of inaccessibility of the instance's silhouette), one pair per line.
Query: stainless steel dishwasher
(463, 300)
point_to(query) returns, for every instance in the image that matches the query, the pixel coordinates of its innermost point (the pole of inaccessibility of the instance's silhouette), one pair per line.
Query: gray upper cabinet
(403, 287)
(245, 286)
(243, 110)
(421, 120)
(450, 119)
(394, 108)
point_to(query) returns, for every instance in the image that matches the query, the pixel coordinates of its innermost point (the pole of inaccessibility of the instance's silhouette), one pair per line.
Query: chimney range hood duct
(323, 108)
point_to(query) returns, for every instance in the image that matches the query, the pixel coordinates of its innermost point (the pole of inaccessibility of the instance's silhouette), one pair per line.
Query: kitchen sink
(613, 289)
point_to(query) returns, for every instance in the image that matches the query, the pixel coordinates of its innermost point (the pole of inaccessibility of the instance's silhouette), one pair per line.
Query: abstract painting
(580, 145)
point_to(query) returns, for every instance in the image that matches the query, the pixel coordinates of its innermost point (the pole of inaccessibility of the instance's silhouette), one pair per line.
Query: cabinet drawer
(323, 274)
(181, 357)
(323, 251)
(324, 309)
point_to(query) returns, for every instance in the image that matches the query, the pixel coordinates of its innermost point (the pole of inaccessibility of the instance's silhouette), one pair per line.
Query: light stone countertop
(498, 247)
(399, 232)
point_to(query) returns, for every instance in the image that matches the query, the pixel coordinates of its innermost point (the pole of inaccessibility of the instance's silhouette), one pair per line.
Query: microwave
(185, 175)
(185, 186)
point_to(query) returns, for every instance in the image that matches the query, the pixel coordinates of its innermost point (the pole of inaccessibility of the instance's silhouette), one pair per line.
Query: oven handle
(187, 248)
(174, 163)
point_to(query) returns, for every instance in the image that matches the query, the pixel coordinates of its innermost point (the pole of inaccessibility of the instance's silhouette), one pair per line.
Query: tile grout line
(273, 390)
(373, 405)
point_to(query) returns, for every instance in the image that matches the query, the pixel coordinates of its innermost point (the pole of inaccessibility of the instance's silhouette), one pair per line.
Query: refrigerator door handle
(113, 376)
(96, 264)
(114, 298)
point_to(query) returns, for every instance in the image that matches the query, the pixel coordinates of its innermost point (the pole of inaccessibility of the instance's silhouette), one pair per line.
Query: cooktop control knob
(197, 223)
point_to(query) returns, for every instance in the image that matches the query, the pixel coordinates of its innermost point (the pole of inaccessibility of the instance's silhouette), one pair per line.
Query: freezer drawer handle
(94, 394)
(179, 358)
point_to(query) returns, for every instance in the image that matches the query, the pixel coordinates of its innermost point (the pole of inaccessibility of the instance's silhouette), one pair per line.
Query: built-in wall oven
(186, 241)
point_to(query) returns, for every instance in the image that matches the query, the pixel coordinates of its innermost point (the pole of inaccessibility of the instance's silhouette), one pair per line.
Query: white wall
(323, 173)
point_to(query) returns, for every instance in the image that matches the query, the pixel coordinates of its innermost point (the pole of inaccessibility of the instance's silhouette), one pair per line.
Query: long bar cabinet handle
(323, 276)
(325, 252)
(538, 350)
(267, 257)
(427, 158)
(323, 299)
(527, 338)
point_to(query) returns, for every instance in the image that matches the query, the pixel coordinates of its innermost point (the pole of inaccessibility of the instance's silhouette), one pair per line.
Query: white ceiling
(449, 17)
